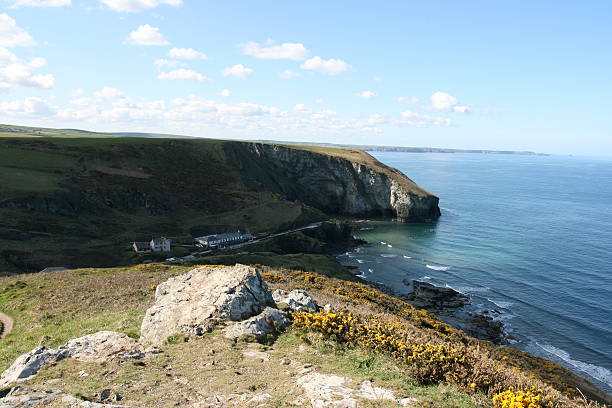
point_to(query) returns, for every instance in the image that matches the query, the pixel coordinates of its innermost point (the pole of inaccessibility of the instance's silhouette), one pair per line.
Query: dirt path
(7, 325)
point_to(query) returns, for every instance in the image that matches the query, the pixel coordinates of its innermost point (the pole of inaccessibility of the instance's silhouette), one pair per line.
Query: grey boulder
(262, 327)
(297, 300)
(195, 302)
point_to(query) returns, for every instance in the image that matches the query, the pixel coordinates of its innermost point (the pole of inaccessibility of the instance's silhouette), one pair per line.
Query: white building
(221, 240)
(155, 245)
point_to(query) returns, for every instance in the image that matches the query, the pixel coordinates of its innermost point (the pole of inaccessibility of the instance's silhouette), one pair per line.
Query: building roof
(218, 237)
(142, 245)
(159, 240)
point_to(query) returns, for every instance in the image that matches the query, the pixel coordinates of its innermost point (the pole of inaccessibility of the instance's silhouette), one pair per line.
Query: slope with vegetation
(368, 335)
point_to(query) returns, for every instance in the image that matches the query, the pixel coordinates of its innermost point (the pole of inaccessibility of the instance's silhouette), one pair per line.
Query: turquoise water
(529, 236)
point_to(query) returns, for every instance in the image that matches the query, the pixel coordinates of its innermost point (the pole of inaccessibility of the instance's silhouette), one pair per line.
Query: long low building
(217, 240)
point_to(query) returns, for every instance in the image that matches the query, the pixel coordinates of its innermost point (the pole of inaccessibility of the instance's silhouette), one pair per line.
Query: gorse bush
(450, 363)
(532, 398)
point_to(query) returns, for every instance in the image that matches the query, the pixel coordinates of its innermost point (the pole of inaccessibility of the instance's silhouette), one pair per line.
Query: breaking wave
(438, 268)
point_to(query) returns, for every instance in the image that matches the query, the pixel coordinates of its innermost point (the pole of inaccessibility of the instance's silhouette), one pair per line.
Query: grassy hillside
(80, 201)
(51, 308)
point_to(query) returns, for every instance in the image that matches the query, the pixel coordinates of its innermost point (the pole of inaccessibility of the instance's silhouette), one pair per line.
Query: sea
(529, 237)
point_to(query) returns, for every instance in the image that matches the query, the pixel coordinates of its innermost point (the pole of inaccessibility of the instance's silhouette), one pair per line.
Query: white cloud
(377, 119)
(78, 92)
(182, 74)
(41, 3)
(108, 93)
(319, 101)
(409, 118)
(146, 35)
(225, 93)
(238, 71)
(289, 74)
(365, 95)
(291, 51)
(168, 63)
(442, 101)
(30, 106)
(403, 99)
(16, 72)
(11, 35)
(329, 67)
(186, 53)
(132, 6)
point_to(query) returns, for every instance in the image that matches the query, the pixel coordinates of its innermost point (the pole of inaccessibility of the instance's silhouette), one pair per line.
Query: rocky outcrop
(323, 390)
(427, 296)
(23, 398)
(297, 300)
(263, 327)
(348, 183)
(98, 347)
(195, 302)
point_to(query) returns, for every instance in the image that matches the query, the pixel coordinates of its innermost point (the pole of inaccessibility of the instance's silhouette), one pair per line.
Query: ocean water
(528, 236)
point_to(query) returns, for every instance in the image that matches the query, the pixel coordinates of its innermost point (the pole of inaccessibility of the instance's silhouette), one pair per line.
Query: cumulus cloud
(12, 35)
(146, 35)
(290, 51)
(414, 119)
(108, 93)
(403, 99)
(365, 95)
(132, 6)
(162, 62)
(15, 72)
(225, 93)
(329, 67)
(182, 74)
(30, 106)
(186, 53)
(41, 3)
(289, 74)
(237, 71)
(444, 102)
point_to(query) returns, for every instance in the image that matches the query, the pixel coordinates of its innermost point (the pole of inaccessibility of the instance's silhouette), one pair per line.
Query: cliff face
(356, 185)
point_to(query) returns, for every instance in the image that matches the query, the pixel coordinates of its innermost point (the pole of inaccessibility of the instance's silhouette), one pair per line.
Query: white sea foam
(384, 243)
(501, 303)
(438, 268)
(600, 373)
(390, 246)
(388, 255)
(360, 261)
(407, 257)
(361, 275)
(370, 270)
(425, 278)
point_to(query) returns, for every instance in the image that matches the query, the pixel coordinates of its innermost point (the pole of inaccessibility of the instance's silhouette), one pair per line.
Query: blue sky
(518, 75)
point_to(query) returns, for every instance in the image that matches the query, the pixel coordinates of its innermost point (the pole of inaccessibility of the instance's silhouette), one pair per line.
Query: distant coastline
(375, 148)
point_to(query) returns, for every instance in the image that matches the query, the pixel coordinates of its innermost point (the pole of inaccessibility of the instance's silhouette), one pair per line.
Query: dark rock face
(334, 185)
(427, 296)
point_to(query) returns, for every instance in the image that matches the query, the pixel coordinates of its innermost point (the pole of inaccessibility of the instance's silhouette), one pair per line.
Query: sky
(512, 75)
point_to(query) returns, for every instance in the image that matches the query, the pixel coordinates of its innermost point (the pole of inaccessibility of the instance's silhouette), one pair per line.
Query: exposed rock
(102, 346)
(28, 364)
(297, 300)
(358, 186)
(23, 398)
(97, 347)
(195, 302)
(262, 327)
(485, 328)
(427, 296)
(324, 391)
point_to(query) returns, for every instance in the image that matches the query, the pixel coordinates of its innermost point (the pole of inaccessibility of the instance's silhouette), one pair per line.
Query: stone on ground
(297, 300)
(195, 302)
(23, 398)
(323, 391)
(262, 327)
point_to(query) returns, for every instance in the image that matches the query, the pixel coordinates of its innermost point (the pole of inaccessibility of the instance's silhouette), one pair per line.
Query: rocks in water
(102, 346)
(297, 300)
(195, 302)
(322, 390)
(485, 328)
(97, 347)
(19, 397)
(427, 296)
(262, 327)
